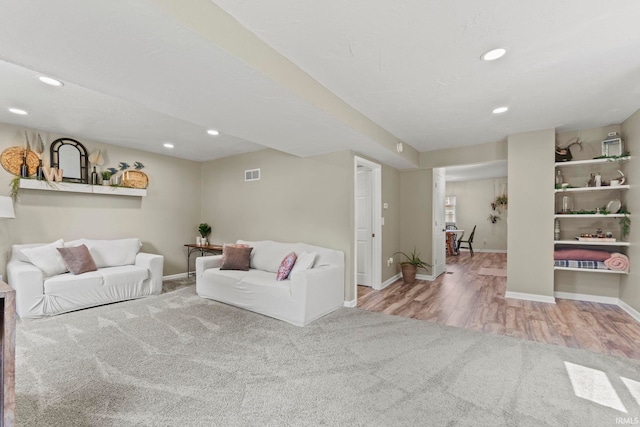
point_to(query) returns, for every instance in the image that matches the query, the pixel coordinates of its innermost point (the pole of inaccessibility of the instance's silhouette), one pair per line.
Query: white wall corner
(632, 311)
(352, 303)
(390, 280)
(530, 297)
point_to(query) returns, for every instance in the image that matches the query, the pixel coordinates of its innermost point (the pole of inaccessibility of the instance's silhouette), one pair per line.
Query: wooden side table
(203, 249)
(7, 354)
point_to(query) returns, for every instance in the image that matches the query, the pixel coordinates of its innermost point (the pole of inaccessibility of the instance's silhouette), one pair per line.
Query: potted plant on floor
(411, 265)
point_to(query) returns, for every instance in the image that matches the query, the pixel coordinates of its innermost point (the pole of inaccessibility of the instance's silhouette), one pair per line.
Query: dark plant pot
(409, 274)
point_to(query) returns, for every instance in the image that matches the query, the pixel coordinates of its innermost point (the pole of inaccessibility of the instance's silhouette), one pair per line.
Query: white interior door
(439, 236)
(364, 225)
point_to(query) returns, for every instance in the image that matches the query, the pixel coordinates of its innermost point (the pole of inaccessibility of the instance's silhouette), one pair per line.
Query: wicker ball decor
(11, 160)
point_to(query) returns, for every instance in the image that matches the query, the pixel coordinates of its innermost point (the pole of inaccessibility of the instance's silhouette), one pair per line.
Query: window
(450, 210)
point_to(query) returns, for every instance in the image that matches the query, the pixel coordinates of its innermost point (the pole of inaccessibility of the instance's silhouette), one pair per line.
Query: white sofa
(307, 295)
(123, 273)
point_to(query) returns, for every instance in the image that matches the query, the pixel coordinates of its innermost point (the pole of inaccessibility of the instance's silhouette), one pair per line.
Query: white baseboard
(586, 297)
(390, 281)
(352, 303)
(428, 278)
(632, 311)
(175, 276)
(602, 300)
(492, 251)
(530, 297)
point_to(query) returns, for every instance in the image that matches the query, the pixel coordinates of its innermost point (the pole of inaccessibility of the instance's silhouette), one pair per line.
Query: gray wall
(630, 285)
(473, 206)
(531, 210)
(417, 217)
(392, 219)
(306, 200)
(164, 220)
(481, 153)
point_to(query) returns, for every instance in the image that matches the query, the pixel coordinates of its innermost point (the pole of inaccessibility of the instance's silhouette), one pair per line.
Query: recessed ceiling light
(213, 132)
(18, 111)
(500, 110)
(50, 81)
(493, 54)
(168, 145)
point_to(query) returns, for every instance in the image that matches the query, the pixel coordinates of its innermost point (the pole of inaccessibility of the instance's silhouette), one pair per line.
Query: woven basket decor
(135, 179)
(11, 160)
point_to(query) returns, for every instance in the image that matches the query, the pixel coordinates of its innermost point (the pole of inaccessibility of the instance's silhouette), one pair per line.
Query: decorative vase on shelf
(39, 171)
(94, 177)
(24, 168)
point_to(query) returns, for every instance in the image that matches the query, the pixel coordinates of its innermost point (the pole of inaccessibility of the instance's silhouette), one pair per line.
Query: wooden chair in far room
(468, 242)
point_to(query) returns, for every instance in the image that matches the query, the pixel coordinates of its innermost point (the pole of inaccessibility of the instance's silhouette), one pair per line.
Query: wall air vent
(252, 175)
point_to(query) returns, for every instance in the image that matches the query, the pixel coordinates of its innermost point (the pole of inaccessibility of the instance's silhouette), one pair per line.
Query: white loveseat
(306, 296)
(123, 273)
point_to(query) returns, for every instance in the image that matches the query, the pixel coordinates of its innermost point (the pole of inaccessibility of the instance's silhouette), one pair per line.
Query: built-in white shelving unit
(589, 270)
(592, 162)
(33, 184)
(578, 216)
(579, 189)
(577, 242)
(587, 196)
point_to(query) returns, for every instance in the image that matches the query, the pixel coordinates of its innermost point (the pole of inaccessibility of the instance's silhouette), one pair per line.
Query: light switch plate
(385, 205)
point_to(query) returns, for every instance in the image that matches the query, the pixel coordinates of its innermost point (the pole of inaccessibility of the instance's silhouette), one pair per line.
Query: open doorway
(473, 201)
(367, 223)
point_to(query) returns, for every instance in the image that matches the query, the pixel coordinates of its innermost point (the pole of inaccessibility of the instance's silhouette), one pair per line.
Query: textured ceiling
(413, 66)
(320, 76)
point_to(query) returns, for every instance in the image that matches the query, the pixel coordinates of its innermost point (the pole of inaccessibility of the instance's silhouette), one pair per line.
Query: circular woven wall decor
(11, 160)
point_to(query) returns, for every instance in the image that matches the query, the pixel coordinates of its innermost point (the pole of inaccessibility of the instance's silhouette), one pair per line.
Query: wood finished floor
(465, 299)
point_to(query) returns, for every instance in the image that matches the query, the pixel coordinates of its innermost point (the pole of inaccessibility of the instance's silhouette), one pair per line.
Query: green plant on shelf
(622, 156)
(625, 223)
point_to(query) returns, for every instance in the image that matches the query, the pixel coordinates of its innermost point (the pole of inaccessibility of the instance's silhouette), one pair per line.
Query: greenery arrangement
(625, 224)
(413, 259)
(204, 229)
(106, 175)
(502, 200)
(15, 188)
(623, 155)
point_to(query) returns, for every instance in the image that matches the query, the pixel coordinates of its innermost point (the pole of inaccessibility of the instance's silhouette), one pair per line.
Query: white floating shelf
(33, 184)
(577, 242)
(588, 216)
(589, 270)
(578, 189)
(592, 161)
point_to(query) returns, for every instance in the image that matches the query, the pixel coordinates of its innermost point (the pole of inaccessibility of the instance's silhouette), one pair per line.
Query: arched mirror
(70, 156)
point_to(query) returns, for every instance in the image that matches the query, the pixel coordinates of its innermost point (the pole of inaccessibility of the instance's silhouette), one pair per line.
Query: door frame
(376, 211)
(438, 250)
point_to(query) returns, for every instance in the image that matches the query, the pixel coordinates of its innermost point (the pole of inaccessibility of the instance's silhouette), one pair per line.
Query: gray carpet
(180, 360)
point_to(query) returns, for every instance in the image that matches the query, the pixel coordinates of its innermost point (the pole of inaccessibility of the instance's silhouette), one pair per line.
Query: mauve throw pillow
(235, 258)
(285, 266)
(232, 245)
(78, 259)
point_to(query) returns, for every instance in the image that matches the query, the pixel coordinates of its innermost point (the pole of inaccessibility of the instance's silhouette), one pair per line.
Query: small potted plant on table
(205, 230)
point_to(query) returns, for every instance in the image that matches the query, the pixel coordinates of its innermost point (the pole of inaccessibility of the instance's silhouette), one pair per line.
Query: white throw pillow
(304, 261)
(47, 258)
(112, 253)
